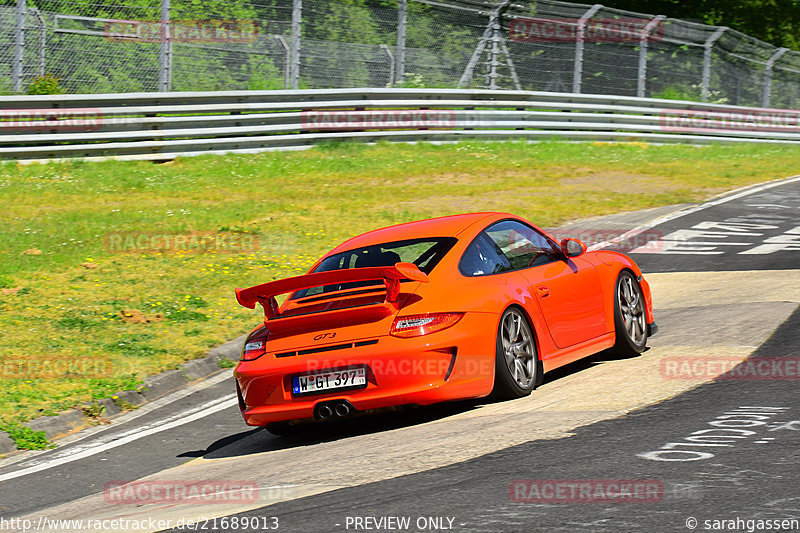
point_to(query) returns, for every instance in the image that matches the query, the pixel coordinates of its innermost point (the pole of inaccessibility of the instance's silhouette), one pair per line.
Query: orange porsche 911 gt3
(448, 308)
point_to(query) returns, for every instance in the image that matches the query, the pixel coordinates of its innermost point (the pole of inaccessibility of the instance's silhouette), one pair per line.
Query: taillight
(256, 345)
(416, 325)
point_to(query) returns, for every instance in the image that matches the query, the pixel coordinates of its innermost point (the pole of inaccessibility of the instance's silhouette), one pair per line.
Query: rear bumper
(455, 363)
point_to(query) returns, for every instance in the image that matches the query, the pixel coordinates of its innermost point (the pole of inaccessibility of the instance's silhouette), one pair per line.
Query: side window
(522, 245)
(504, 246)
(483, 257)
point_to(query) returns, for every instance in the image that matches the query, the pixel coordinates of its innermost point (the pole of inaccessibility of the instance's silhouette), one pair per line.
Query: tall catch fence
(101, 46)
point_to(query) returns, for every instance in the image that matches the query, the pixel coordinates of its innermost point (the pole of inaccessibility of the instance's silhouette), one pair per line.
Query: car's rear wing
(265, 293)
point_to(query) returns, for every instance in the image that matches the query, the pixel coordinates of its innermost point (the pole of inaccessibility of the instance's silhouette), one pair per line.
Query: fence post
(400, 53)
(494, 22)
(709, 45)
(768, 76)
(511, 67)
(19, 47)
(165, 50)
(641, 82)
(287, 59)
(42, 40)
(297, 14)
(392, 66)
(469, 71)
(577, 70)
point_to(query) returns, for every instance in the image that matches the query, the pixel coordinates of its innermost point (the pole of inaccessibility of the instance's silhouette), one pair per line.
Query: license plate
(327, 381)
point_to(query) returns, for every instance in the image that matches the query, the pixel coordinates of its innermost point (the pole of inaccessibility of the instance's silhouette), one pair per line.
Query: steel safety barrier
(163, 126)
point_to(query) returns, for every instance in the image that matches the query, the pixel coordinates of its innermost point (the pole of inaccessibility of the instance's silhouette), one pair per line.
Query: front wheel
(517, 367)
(630, 319)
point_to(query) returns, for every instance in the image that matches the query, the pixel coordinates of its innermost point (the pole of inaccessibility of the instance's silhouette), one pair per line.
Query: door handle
(543, 291)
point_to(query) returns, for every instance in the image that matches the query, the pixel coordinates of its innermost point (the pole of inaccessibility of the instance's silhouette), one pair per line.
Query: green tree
(774, 21)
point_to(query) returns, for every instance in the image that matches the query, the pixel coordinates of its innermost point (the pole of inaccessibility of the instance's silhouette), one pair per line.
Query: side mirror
(572, 247)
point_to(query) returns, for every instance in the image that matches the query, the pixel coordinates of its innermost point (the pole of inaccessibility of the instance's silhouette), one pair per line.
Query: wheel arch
(610, 265)
(534, 331)
(624, 345)
(531, 324)
(613, 299)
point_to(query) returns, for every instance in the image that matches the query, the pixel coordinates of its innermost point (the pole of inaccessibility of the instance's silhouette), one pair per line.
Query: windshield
(425, 253)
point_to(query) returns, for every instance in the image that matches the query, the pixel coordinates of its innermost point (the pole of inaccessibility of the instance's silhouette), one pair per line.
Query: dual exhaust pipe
(338, 409)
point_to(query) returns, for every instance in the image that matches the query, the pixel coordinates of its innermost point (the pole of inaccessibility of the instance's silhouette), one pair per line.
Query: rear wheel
(517, 367)
(630, 319)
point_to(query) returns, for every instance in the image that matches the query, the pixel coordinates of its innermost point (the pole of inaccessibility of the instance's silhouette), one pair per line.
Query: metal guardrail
(160, 126)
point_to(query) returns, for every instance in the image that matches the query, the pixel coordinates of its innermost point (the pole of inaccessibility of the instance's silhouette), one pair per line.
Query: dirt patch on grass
(497, 201)
(134, 316)
(14, 290)
(622, 183)
(450, 178)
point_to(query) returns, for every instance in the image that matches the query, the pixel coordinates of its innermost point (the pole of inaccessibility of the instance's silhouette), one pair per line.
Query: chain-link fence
(179, 45)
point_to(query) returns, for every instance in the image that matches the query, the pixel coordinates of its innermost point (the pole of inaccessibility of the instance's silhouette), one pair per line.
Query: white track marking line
(31, 456)
(71, 454)
(148, 407)
(744, 191)
(65, 452)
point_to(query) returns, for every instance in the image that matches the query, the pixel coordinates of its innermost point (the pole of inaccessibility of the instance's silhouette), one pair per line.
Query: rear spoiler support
(265, 293)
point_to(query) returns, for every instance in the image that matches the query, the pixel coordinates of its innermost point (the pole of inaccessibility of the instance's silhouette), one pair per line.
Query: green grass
(26, 438)
(104, 319)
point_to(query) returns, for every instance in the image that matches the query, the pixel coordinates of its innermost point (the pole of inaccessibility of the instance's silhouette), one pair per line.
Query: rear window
(425, 253)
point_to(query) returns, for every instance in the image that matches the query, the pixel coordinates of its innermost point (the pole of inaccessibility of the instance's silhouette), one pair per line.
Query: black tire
(518, 369)
(630, 319)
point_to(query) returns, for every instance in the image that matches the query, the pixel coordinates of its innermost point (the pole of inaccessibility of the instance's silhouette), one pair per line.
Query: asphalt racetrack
(657, 443)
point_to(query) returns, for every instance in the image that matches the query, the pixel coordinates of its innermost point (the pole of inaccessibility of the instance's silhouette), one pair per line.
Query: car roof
(448, 226)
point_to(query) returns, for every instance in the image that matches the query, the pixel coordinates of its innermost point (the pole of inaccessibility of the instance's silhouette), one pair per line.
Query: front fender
(609, 264)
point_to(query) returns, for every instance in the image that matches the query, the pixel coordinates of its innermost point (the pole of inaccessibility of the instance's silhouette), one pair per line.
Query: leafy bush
(692, 93)
(412, 81)
(93, 410)
(47, 84)
(674, 93)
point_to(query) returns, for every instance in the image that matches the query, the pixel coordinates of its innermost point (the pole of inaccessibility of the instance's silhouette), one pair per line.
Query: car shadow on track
(260, 440)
